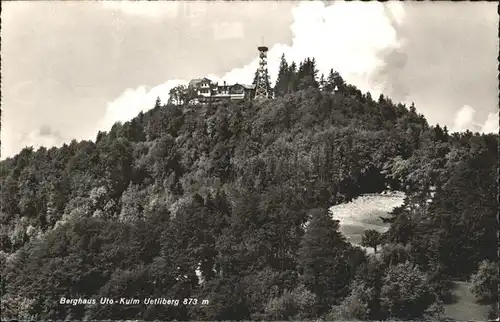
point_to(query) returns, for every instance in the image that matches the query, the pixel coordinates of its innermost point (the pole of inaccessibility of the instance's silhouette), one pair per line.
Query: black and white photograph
(249, 161)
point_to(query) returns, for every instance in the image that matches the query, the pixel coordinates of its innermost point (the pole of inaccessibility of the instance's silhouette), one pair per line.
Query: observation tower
(262, 86)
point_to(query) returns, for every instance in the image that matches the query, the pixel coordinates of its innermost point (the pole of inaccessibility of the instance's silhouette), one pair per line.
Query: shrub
(485, 282)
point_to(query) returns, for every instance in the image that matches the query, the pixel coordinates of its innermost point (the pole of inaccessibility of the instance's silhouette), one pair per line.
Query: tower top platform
(263, 48)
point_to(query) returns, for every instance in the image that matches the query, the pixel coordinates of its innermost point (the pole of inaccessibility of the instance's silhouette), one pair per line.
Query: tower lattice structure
(262, 86)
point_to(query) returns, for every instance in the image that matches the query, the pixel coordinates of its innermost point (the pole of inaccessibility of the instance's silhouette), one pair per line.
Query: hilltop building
(207, 90)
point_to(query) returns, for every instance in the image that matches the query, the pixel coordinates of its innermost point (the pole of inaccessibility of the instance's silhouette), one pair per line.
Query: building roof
(194, 82)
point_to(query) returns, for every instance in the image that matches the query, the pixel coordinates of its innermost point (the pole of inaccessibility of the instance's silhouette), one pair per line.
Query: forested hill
(227, 188)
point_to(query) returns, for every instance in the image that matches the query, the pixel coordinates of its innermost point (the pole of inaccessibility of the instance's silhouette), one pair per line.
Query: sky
(70, 69)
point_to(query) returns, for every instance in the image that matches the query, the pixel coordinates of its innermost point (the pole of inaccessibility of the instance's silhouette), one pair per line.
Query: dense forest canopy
(228, 202)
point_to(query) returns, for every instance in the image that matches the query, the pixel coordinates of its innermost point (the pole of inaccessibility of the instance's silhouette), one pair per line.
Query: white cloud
(344, 36)
(133, 101)
(396, 10)
(464, 120)
(32, 138)
(491, 123)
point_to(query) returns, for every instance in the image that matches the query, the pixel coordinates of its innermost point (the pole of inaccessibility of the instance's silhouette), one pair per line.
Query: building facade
(207, 90)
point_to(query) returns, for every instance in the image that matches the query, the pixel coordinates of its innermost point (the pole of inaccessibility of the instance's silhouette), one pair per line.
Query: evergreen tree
(282, 81)
(313, 72)
(255, 77)
(322, 82)
(307, 74)
(292, 78)
(413, 109)
(324, 268)
(330, 81)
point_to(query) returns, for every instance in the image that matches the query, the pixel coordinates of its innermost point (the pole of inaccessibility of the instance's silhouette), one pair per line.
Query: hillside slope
(225, 189)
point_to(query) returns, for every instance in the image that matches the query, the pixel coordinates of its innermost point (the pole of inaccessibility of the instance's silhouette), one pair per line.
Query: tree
(283, 79)
(493, 312)
(116, 159)
(413, 109)
(227, 296)
(293, 81)
(355, 306)
(178, 95)
(485, 282)
(371, 274)
(123, 283)
(436, 309)
(322, 82)
(405, 293)
(393, 254)
(307, 74)
(158, 102)
(321, 259)
(132, 202)
(294, 305)
(371, 238)
(334, 80)
(259, 285)
(9, 194)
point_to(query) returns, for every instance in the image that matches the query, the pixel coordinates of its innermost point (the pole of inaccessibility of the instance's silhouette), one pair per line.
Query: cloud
(465, 119)
(433, 64)
(44, 136)
(47, 131)
(347, 37)
(133, 101)
(491, 124)
(344, 36)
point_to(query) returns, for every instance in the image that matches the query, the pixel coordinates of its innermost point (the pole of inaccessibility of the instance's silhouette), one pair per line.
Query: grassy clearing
(364, 213)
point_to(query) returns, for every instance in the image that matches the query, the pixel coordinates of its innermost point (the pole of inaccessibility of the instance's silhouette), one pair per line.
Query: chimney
(224, 83)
